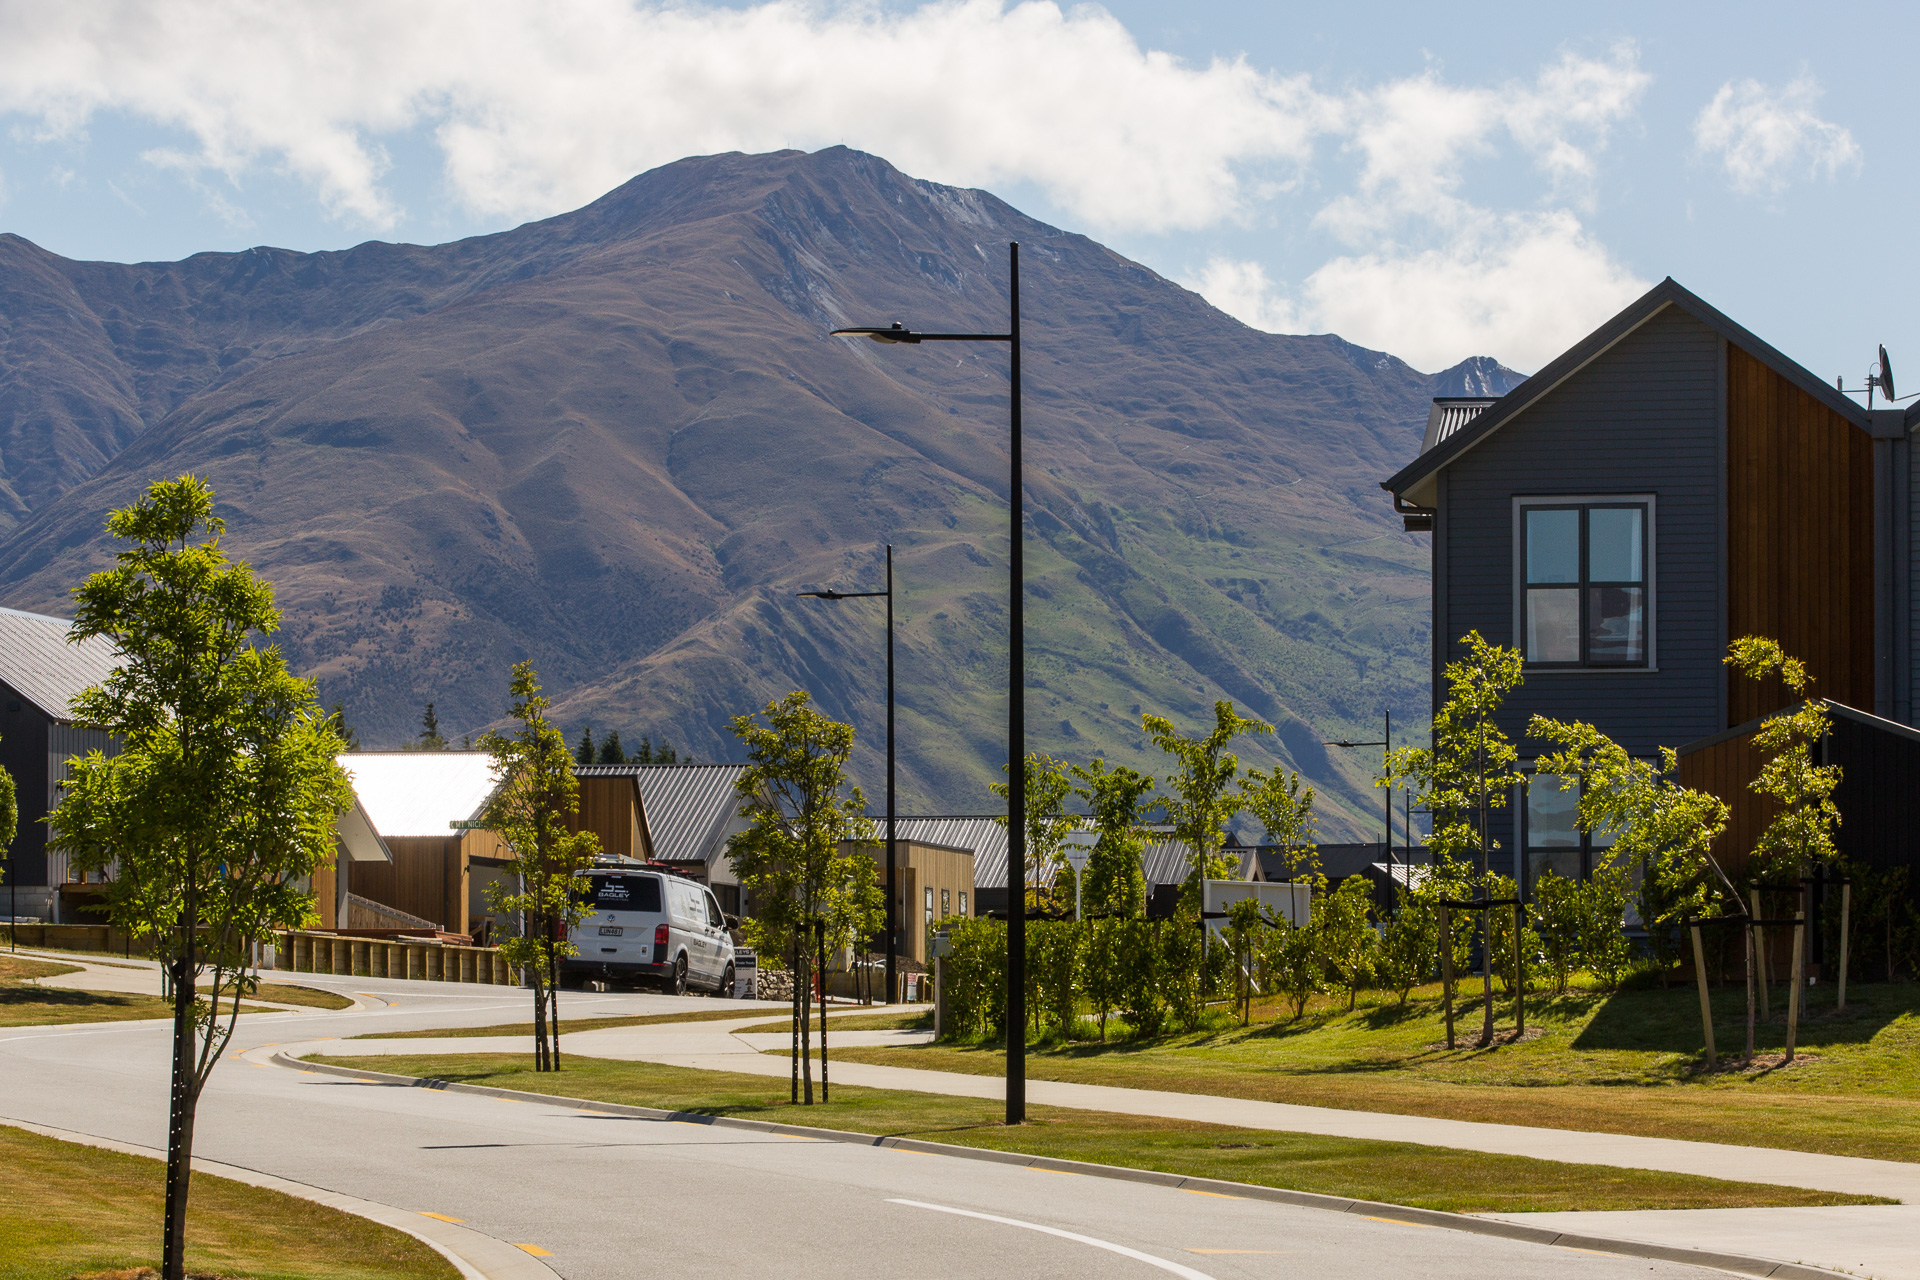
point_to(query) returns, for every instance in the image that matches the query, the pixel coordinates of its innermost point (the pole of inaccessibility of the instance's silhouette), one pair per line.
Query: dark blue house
(1668, 484)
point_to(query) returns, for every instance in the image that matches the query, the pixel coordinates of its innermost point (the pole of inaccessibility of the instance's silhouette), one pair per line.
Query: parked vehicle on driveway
(650, 928)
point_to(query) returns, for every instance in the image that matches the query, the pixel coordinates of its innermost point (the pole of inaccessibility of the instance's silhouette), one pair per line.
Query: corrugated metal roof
(690, 809)
(1164, 861)
(39, 664)
(420, 793)
(1450, 413)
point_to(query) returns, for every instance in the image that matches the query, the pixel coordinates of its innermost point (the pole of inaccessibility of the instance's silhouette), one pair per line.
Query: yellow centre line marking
(443, 1217)
(1217, 1195)
(1065, 1173)
(1590, 1252)
(1398, 1222)
(535, 1250)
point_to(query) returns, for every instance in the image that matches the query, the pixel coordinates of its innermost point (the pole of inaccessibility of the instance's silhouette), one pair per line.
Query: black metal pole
(1016, 742)
(893, 883)
(1386, 775)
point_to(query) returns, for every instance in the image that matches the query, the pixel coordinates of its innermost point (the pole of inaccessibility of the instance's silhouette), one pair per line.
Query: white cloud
(1765, 138)
(538, 106)
(541, 107)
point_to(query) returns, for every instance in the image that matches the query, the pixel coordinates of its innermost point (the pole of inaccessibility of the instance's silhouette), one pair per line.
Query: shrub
(1556, 912)
(1410, 944)
(1604, 948)
(1344, 935)
(1137, 974)
(975, 978)
(1292, 961)
(1054, 950)
(1181, 967)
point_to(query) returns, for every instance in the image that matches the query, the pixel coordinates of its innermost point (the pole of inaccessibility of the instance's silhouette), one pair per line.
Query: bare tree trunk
(821, 934)
(793, 973)
(806, 1018)
(539, 1015)
(553, 997)
(180, 1108)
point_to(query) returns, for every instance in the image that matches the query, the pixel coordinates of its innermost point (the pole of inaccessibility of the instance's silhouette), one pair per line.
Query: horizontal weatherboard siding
(1641, 419)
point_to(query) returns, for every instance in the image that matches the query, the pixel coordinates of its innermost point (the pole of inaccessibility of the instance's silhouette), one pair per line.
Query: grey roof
(688, 807)
(39, 664)
(1165, 859)
(1413, 480)
(1450, 413)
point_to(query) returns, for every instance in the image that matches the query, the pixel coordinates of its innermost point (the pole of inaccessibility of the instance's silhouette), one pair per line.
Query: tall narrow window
(1584, 584)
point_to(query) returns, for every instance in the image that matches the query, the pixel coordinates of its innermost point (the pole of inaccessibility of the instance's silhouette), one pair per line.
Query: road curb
(1739, 1264)
(475, 1254)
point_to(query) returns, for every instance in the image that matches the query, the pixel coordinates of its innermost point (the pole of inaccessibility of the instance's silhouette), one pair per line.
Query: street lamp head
(895, 332)
(823, 595)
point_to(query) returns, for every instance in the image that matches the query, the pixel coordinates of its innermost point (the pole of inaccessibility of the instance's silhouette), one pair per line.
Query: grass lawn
(1625, 1062)
(310, 996)
(14, 968)
(76, 1210)
(1400, 1173)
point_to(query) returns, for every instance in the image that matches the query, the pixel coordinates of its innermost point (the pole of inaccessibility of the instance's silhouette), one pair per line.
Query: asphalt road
(612, 1197)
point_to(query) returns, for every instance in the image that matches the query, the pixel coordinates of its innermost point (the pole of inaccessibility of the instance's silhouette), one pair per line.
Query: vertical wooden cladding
(610, 808)
(426, 879)
(1727, 769)
(1799, 537)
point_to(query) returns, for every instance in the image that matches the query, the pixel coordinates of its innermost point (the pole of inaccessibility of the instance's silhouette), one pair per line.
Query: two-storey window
(1585, 589)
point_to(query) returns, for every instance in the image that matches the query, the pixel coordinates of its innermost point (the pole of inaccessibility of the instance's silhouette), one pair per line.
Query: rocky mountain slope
(617, 441)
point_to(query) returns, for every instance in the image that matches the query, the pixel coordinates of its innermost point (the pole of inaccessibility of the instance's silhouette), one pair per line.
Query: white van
(650, 927)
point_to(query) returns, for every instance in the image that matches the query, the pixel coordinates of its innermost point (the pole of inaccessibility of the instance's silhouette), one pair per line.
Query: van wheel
(676, 984)
(725, 989)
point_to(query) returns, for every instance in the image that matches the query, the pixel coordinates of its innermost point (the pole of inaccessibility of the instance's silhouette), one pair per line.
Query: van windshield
(626, 893)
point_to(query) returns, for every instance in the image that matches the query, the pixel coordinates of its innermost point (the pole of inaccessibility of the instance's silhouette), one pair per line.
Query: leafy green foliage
(529, 810)
(1471, 767)
(1284, 806)
(1291, 959)
(1048, 824)
(1201, 798)
(1344, 930)
(1801, 836)
(1116, 801)
(1409, 945)
(975, 978)
(222, 800)
(1555, 910)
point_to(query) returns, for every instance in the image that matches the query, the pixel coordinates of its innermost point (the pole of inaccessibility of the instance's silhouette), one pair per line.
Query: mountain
(617, 441)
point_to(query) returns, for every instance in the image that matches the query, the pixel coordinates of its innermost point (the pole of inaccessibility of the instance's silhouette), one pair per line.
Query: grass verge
(1401, 1173)
(15, 968)
(568, 1025)
(73, 1210)
(312, 997)
(1621, 1062)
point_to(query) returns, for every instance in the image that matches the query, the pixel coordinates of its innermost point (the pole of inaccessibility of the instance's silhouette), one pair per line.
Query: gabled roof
(1879, 724)
(37, 662)
(687, 808)
(1450, 413)
(420, 793)
(1413, 482)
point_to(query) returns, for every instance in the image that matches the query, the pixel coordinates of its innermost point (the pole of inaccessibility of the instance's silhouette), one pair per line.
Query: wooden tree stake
(1446, 969)
(1706, 1001)
(1519, 979)
(1760, 961)
(1846, 911)
(1793, 995)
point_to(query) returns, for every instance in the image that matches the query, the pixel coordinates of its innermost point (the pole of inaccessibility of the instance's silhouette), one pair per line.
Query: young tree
(583, 753)
(1115, 799)
(1800, 837)
(1346, 935)
(529, 810)
(1285, 809)
(1410, 942)
(1048, 822)
(224, 796)
(610, 750)
(429, 738)
(1468, 772)
(1203, 799)
(9, 824)
(795, 860)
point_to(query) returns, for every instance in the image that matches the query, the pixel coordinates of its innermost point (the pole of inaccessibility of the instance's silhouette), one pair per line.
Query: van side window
(713, 912)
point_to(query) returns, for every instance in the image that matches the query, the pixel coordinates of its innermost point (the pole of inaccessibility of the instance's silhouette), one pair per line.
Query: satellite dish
(1886, 375)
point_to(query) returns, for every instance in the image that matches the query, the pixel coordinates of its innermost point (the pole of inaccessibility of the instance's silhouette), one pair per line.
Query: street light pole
(1386, 767)
(1016, 688)
(893, 872)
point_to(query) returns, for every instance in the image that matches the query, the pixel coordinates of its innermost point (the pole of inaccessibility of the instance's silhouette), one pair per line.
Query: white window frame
(1519, 584)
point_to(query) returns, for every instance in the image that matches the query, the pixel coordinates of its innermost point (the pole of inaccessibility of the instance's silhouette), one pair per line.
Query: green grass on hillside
(1399, 1173)
(1625, 1062)
(77, 1210)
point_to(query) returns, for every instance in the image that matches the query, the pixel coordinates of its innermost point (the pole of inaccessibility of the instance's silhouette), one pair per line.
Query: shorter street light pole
(1386, 771)
(893, 889)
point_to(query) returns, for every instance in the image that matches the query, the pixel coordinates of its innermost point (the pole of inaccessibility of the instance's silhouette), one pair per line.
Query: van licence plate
(609, 930)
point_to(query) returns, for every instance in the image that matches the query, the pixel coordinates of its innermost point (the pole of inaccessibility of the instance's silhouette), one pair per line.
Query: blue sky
(1437, 181)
